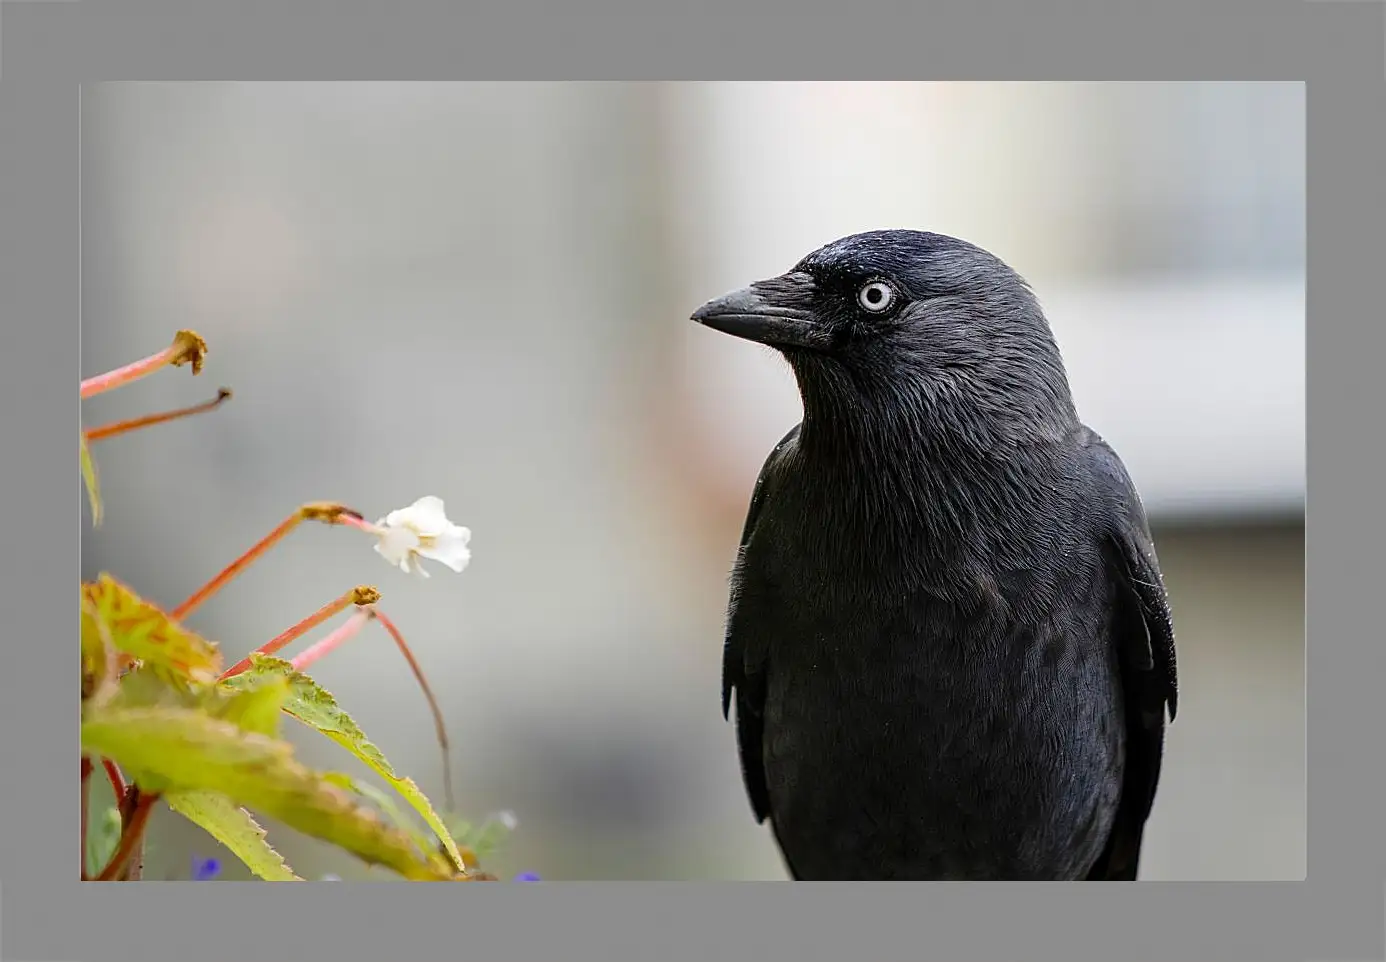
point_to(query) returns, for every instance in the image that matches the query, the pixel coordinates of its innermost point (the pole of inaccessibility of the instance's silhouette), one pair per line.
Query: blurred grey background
(481, 291)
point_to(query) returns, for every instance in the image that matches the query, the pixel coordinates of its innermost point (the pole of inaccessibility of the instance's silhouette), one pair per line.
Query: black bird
(948, 635)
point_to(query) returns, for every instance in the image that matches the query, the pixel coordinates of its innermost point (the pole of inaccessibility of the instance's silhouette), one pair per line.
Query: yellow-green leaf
(315, 707)
(89, 479)
(233, 827)
(145, 631)
(190, 751)
(254, 709)
(387, 806)
(143, 687)
(99, 668)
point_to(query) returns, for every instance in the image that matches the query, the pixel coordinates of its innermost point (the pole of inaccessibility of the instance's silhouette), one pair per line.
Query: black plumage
(948, 638)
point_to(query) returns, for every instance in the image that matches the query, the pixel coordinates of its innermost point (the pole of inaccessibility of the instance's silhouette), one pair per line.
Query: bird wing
(1144, 635)
(742, 673)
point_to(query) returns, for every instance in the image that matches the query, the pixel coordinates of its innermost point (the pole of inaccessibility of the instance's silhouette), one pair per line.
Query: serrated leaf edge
(177, 801)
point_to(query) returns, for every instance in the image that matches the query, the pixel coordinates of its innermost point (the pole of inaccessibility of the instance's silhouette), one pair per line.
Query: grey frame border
(49, 48)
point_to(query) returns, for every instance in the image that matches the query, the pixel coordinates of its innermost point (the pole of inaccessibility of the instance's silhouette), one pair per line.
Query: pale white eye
(876, 296)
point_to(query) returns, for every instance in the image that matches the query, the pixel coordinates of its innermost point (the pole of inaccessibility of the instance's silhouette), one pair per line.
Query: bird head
(908, 322)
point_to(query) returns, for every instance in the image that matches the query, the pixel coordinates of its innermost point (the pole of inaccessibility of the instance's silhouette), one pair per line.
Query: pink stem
(332, 642)
(187, 348)
(124, 375)
(359, 523)
(360, 596)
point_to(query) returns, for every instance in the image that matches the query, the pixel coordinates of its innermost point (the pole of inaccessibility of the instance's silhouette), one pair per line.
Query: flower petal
(205, 869)
(396, 544)
(427, 516)
(449, 549)
(422, 530)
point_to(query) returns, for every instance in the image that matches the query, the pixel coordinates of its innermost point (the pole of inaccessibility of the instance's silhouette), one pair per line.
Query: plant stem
(187, 348)
(86, 799)
(341, 635)
(114, 777)
(327, 513)
(357, 521)
(236, 567)
(136, 816)
(360, 595)
(438, 723)
(335, 640)
(101, 432)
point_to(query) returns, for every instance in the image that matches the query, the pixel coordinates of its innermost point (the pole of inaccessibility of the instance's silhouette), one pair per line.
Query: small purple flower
(205, 869)
(527, 877)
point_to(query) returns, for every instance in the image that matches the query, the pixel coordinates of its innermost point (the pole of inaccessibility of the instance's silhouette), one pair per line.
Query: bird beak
(775, 312)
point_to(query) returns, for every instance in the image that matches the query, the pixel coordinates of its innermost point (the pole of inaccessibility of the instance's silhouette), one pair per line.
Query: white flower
(422, 530)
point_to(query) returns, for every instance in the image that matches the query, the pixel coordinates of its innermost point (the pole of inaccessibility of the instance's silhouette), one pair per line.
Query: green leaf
(189, 751)
(89, 479)
(315, 707)
(388, 808)
(233, 827)
(145, 631)
(258, 710)
(254, 709)
(103, 835)
(143, 687)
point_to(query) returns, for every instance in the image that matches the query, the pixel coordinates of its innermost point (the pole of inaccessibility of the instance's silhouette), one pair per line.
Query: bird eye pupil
(875, 296)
